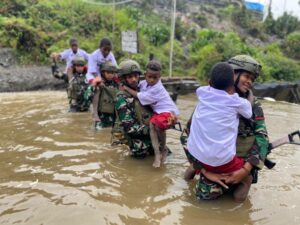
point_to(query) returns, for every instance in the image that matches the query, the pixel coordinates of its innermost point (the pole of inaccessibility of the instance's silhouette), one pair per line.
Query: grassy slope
(35, 28)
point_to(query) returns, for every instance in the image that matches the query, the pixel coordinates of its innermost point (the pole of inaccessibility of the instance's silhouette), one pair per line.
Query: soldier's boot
(155, 145)
(241, 191)
(190, 173)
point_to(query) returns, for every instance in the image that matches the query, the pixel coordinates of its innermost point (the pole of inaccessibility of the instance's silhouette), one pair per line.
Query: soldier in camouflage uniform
(105, 92)
(252, 142)
(77, 85)
(133, 117)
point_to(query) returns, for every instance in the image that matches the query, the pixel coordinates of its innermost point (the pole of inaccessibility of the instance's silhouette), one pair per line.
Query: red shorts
(163, 120)
(235, 164)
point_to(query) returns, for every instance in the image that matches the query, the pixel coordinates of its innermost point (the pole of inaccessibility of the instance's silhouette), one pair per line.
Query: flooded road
(56, 170)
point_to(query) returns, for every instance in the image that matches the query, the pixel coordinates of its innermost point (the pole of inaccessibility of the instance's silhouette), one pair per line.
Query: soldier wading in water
(132, 117)
(77, 85)
(252, 142)
(105, 92)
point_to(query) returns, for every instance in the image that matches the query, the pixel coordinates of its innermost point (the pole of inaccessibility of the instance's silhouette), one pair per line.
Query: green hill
(35, 28)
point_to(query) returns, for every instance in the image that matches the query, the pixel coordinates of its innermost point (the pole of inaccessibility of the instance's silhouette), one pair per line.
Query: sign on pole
(130, 41)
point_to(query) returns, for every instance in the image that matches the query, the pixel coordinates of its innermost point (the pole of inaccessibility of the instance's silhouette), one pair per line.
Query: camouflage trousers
(208, 190)
(76, 98)
(205, 189)
(141, 147)
(106, 119)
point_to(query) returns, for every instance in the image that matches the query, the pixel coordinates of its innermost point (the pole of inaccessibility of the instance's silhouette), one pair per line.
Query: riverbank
(16, 78)
(28, 78)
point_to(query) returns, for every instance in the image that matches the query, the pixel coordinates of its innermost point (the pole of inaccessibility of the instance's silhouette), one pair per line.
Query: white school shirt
(157, 97)
(214, 127)
(68, 55)
(95, 60)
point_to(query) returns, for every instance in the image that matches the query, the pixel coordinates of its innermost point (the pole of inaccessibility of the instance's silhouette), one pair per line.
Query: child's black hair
(221, 76)
(105, 42)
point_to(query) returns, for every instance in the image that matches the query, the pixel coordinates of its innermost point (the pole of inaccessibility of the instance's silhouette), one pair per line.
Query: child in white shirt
(214, 128)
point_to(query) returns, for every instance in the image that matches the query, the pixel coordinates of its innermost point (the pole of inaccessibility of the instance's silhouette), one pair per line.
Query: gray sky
(291, 6)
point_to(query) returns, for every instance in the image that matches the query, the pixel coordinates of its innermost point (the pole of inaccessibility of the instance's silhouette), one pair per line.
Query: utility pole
(173, 21)
(114, 20)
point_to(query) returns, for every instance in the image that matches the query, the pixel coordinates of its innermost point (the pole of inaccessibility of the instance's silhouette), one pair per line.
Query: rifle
(289, 139)
(54, 68)
(56, 73)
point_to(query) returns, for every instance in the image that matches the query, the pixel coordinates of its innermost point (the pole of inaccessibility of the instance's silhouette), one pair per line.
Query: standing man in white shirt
(68, 54)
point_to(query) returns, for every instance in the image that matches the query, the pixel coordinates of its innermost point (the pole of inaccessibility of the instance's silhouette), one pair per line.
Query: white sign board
(129, 41)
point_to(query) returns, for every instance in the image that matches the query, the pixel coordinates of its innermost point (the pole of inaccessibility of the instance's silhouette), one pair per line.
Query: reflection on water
(55, 169)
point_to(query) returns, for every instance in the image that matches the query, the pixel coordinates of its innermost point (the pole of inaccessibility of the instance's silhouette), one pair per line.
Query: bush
(283, 26)
(25, 39)
(276, 66)
(156, 34)
(292, 45)
(283, 68)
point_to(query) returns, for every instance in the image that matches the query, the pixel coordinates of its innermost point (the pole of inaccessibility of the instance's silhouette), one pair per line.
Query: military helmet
(247, 63)
(78, 60)
(129, 66)
(109, 66)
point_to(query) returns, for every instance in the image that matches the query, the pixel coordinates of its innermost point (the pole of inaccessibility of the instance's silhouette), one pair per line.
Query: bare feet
(157, 160)
(164, 154)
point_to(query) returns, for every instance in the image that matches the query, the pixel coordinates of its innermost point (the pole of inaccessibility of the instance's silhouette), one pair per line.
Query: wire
(108, 4)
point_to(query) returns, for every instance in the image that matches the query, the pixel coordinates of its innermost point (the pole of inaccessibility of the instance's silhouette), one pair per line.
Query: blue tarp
(255, 6)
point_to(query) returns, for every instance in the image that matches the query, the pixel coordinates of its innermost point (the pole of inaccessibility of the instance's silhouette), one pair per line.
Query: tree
(285, 25)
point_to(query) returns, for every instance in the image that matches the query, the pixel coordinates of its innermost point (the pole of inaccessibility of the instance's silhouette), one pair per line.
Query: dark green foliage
(276, 66)
(283, 26)
(283, 68)
(36, 28)
(286, 24)
(157, 34)
(292, 45)
(211, 47)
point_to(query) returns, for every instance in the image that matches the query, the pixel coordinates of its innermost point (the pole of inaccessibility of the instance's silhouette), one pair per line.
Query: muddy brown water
(56, 170)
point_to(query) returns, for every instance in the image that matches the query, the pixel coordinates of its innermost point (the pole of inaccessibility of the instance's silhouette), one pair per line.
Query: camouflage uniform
(106, 118)
(77, 86)
(252, 145)
(103, 97)
(136, 133)
(132, 117)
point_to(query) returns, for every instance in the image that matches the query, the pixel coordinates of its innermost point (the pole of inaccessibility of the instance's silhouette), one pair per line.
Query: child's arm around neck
(130, 91)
